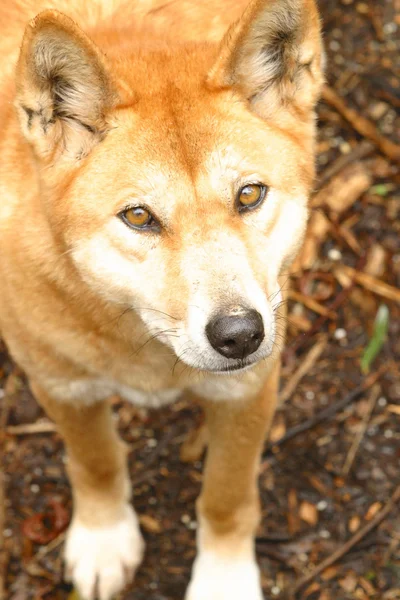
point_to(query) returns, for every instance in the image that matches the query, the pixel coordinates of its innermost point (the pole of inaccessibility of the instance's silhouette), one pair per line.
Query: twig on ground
(362, 150)
(45, 550)
(328, 412)
(371, 283)
(364, 425)
(312, 304)
(362, 125)
(31, 428)
(340, 552)
(302, 339)
(306, 364)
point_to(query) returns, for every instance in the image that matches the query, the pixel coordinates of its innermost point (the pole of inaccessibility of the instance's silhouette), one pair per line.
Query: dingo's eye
(250, 196)
(139, 218)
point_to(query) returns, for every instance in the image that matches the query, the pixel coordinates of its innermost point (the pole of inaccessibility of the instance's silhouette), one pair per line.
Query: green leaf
(382, 189)
(378, 338)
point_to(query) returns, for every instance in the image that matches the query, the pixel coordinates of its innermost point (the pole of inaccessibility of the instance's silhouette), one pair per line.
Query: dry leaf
(394, 408)
(308, 513)
(376, 260)
(343, 191)
(354, 523)
(329, 573)
(150, 524)
(278, 429)
(292, 516)
(314, 587)
(373, 509)
(349, 582)
(368, 587)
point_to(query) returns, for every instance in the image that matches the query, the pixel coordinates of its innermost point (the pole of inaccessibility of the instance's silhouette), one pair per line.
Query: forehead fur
(176, 122)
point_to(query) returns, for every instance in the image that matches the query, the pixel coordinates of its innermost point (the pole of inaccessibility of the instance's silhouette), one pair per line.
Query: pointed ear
(63, 90)
(273, 56)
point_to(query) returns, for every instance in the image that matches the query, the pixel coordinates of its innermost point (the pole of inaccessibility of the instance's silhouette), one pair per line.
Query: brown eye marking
(250, 196)
(139, 218)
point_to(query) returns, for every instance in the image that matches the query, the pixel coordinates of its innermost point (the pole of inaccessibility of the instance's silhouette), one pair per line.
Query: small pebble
(303, 557)
(152, 443)
(153, 585)
(339, 59)
(322, 505)
(388, 433)
(35, 489)
(325, 534)
(345, 148)
(382, 402)
(340, 334)
(310, 395)
(185, 519)
(7, 533)
(377, 474)
(335, 254)
(275, 591)
(390, 28)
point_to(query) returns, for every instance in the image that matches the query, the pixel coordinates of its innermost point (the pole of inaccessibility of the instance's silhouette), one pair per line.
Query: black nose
(236, 335)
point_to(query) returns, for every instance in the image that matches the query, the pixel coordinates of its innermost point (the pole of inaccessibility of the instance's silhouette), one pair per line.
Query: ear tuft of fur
(63, 90)
(273, 56)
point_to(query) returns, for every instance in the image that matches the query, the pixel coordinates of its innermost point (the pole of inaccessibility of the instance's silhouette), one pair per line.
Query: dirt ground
(333, 487)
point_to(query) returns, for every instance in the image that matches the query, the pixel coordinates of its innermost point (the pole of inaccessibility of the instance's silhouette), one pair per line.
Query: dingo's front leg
(228, 508)
(104, 546)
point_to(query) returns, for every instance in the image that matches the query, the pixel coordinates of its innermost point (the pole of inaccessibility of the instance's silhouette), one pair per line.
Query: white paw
(101, 561)
(216, 578)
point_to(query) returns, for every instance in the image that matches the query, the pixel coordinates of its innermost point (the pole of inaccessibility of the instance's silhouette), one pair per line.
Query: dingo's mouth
(238, 368)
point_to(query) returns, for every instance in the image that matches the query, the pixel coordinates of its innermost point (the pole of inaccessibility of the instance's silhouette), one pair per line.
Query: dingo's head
(176, 176)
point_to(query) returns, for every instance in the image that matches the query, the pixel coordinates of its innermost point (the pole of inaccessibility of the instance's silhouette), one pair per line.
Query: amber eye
(250, 196)
(139, 218)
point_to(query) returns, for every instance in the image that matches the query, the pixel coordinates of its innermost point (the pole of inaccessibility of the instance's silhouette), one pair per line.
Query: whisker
(153, 337)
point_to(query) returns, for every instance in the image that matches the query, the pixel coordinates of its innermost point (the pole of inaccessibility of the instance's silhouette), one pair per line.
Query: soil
(322, 486)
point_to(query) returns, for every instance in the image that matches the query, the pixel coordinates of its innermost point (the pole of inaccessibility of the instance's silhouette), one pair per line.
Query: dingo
(156, 160)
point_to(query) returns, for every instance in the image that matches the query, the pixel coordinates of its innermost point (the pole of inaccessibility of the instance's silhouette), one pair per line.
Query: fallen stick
(327, 413)
(362, 150)
(312, 304)
(31, 428)
(317, 326)
(371, 283)
(306, 364)
(357, 537)
(360, 434)
(364, 126)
